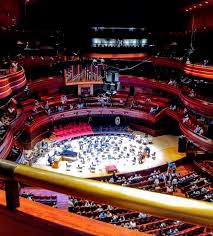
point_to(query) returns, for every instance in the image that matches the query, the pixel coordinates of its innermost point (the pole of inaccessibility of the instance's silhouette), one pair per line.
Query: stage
(166, 148)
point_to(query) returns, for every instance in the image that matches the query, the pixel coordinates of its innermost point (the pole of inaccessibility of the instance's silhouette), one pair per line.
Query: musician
(147, 150)
(50, 159)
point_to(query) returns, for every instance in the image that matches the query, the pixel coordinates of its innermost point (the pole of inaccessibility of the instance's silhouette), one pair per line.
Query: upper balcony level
(189, 69)
(203, 107)
(11, 82)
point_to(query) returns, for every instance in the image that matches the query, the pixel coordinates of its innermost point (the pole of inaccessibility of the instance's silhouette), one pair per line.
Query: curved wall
(11, 82)
(9, 138)
(35, 130)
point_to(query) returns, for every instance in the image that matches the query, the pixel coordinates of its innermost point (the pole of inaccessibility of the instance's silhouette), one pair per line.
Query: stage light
(206, 2)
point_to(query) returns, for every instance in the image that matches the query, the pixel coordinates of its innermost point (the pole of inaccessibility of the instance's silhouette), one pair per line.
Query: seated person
(26, 90)
(30, 119)
(50, 160)
(34, 110)
(173, 107)
(12, 111)
(102, 215)
(147, 150)
(192, 93)
(201, 131)
(185, 118)
(46, 106)
(197, 129)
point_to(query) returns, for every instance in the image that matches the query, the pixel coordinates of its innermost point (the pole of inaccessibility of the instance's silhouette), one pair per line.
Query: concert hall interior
(106, 118)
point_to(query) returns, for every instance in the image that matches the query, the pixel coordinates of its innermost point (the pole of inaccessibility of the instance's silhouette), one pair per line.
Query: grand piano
(68, 155)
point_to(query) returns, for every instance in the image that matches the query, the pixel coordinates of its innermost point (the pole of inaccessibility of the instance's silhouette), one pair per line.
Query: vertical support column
(91, 72)
(79, 72)
(12, 194)
(97, 73)
(79, 90)
(72, 73)
(91, 89)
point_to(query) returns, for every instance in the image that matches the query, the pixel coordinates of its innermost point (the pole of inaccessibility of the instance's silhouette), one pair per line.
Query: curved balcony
(142, 81)
(201, 141)
(201, 106)
(38, 129)
(12, 82)
(189, 69)
(195, 104)
(9, 138)
(51, 83)
(6, 144)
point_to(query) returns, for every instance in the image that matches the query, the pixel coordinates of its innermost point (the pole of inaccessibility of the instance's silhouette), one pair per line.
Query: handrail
(12, 73)
(162, 205)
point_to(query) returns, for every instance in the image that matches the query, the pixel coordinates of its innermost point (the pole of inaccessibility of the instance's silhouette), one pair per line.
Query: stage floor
(165, 146)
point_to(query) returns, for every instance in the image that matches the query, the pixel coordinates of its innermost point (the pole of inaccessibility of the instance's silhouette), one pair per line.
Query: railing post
(12, 194)
(7, 169)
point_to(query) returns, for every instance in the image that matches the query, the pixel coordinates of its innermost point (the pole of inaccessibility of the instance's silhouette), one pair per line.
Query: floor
(165, 146)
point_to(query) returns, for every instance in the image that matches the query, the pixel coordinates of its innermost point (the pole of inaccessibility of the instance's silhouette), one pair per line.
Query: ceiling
(74, 14)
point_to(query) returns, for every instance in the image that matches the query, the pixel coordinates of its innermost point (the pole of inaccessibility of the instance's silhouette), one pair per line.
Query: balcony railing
(12, 82)
(162, 205)
(194, 103)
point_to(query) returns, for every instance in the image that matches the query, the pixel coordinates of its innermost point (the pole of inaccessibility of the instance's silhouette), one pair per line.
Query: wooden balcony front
(37, 219)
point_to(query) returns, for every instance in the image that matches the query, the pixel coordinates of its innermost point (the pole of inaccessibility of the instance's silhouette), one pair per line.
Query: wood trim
(38, 219)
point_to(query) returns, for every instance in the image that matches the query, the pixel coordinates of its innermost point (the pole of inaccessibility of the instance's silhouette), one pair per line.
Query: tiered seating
(73, 130)
(55, 100)
(197, 187)
(120, 96)
(34, 61)
(134, 220)
(193, 120)
(47, 200)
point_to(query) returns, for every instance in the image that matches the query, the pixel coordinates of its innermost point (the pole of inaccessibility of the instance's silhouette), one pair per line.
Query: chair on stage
(67, 167)
(153, 155)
